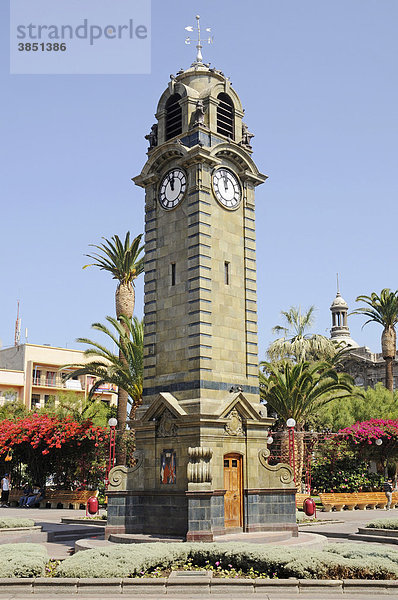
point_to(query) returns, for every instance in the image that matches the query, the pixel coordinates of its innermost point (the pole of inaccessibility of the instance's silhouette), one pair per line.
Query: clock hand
(225, 181)
(172, 183)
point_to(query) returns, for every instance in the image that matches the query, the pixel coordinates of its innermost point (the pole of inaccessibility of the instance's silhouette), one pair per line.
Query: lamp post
(112, 446)
(378, 443)
(291, 423)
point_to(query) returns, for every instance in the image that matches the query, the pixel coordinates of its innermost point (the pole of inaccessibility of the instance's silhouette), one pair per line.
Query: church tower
(201, 431)
(340, 331)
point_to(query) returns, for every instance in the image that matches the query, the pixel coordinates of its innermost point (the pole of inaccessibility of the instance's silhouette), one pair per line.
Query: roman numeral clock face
(226, 188)
(172, 188)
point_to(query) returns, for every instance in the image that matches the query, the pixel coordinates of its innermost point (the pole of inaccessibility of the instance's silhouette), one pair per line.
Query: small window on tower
(226, 273)
(173, 116)
(173, 273)
(225, 115)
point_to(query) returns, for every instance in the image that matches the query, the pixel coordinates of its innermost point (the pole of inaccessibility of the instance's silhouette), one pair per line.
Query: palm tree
(124, 264)
(298, 390)
(107, 366)
(383, 309)
(297, 344)
(124, 369)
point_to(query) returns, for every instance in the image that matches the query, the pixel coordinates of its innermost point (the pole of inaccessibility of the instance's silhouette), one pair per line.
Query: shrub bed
(383, 524)
(23, 560)
(12, 523)
(337, 561)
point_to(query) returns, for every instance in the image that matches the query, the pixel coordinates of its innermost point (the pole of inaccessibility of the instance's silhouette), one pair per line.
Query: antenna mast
(17, 336)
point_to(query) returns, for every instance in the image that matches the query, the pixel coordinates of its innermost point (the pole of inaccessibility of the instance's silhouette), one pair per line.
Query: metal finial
(338, 287)
(188, 40)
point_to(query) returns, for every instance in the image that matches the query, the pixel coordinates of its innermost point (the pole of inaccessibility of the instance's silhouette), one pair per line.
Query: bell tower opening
(225, 115)
(173, 116)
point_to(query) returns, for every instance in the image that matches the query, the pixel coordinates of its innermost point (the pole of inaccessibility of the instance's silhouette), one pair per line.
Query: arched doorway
(233, 499)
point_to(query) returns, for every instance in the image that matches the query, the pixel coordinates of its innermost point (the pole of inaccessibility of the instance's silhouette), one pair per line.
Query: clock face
(226, 188)
(172, 188)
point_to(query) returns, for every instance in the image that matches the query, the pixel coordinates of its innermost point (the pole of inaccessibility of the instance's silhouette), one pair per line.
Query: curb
(44, 586)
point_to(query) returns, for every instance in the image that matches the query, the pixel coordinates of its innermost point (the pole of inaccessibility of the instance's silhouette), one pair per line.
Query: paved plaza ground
(336, 526)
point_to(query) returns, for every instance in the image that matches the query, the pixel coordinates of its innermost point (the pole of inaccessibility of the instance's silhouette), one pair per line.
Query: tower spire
(199, 46)
(338, 287)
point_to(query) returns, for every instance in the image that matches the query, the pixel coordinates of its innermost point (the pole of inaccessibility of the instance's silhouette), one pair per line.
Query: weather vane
(209, 40)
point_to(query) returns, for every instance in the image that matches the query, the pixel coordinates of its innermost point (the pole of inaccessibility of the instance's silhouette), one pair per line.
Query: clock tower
(201, 460)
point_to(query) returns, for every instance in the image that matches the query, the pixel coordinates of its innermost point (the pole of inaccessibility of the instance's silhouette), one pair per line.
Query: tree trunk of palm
(388, 348)
(124, 299)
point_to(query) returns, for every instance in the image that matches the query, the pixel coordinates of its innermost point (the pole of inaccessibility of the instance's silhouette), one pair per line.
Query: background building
(365, 367)
(34, 374)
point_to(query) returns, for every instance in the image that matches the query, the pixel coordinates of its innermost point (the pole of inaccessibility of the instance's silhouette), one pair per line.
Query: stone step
(75, 533)
(375, 539)
(390, 533)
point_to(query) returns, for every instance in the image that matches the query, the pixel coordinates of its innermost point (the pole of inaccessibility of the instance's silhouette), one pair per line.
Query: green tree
(298, 391)
(297, 344)
(372, 403)
(126, 372)
(13, 409)
(383, 309)
(123, 262)
(71, 404)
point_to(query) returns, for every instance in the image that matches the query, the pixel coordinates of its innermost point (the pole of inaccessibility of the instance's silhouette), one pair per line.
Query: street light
(112, 446)
(291, 423)
(378, 442)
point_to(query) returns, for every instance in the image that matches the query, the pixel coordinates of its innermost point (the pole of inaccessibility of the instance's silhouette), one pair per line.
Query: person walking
(5, 490)
(387, 487)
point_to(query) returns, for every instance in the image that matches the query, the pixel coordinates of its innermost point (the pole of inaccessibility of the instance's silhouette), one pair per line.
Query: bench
(300, 499)
(360, 500)
(67, 498)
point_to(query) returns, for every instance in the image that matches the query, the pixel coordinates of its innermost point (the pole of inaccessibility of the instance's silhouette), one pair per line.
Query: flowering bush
(336, 468)
(364, 436)
(62, 447)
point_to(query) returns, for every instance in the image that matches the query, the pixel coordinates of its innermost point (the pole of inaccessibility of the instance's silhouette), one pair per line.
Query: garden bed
(383, 524)
(6, 524)
(233, 561)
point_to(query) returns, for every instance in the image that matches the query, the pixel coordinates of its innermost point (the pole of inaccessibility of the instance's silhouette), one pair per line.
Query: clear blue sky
(318, 81)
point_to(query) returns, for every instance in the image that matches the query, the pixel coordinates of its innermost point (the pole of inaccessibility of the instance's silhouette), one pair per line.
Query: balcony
(57, 382)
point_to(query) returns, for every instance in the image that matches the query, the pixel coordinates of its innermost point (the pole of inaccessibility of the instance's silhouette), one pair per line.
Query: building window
(50, 378)
(225, 115)
(173, 116)
(36, 377)
(173, 273)
(226, 273)
(35, 401)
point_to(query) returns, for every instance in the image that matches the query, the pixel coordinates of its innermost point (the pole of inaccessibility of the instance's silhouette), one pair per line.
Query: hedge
(335, 561)
(11, 523)
(384, 524)
(22, 560)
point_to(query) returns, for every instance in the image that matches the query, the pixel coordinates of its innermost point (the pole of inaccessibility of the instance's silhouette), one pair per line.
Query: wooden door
(233, 486)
